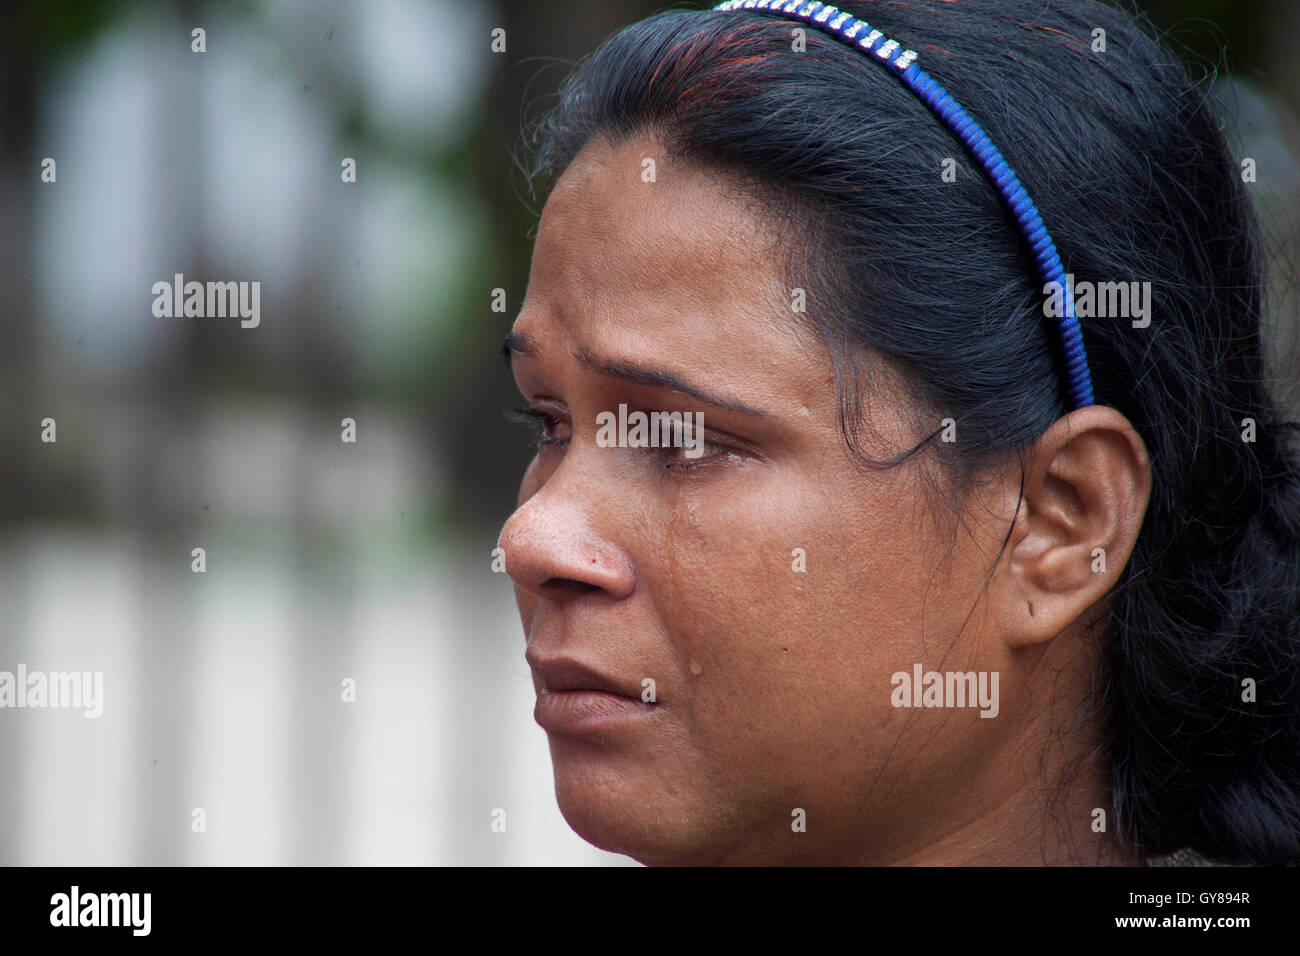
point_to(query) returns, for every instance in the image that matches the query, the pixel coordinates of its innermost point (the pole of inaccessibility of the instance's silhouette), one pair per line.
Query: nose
(555, 548)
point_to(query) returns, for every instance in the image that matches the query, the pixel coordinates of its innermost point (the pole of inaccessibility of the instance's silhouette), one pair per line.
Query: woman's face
(771, 671)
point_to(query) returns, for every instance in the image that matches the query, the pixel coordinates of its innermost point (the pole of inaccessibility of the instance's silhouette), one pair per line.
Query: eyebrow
(519, 343)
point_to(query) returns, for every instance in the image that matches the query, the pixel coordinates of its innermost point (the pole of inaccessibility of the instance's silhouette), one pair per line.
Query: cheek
(789, 601)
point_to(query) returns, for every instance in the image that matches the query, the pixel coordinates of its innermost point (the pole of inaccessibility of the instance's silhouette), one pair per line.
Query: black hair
(1126, 161)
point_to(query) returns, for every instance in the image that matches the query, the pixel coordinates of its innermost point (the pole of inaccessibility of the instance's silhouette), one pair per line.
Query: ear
(1087, 482)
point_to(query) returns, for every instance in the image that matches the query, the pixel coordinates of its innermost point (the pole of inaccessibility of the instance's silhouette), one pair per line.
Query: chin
(619, 806)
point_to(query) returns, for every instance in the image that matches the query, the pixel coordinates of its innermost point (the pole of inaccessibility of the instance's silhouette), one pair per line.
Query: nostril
(569, 585)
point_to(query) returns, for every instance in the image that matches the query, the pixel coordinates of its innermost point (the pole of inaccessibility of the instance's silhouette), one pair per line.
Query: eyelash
(538, 421)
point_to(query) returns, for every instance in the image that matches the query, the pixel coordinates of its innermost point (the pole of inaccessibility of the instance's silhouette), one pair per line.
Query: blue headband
(861, 35)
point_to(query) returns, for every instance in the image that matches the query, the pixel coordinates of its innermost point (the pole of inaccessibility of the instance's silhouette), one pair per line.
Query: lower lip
(588, 711)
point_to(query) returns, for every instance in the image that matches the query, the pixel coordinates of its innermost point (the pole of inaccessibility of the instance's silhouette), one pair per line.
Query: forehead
(686, 242)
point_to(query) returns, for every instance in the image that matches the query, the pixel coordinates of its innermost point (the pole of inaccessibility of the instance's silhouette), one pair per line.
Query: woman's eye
(686, 450)
(690, 450)
(546, 429)
(676, 459)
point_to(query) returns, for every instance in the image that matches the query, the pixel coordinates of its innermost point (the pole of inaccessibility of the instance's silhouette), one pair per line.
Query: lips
(576, 699)
(566, 674)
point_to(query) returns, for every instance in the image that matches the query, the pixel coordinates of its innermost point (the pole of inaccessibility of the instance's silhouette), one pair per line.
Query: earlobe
(1085, 490)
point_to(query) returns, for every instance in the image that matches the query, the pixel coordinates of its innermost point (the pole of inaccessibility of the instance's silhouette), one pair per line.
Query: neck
(1032, 826)
(1047, 799)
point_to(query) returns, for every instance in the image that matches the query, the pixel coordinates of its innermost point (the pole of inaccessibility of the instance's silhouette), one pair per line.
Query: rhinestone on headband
(862, 36)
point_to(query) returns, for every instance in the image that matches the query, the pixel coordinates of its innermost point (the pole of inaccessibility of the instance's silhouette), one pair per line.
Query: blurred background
(326, 561)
